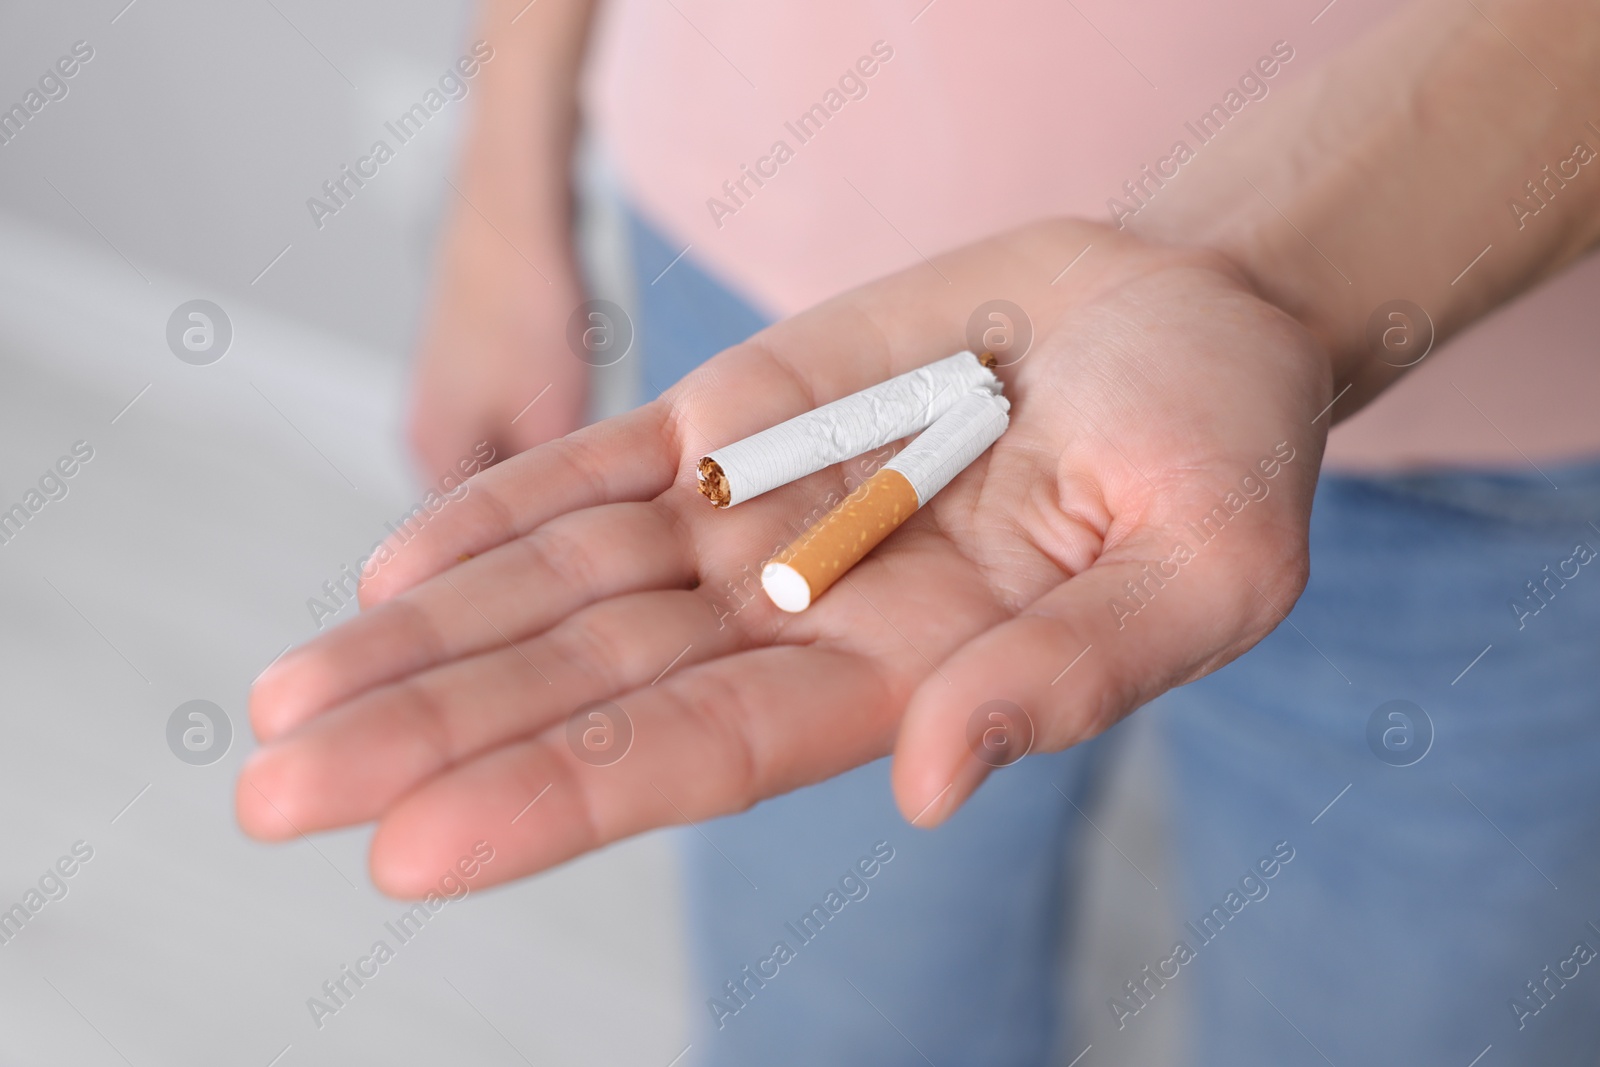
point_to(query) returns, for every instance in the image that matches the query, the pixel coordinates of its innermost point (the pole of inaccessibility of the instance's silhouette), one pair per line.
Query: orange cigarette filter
(807, 568)
(840, 539)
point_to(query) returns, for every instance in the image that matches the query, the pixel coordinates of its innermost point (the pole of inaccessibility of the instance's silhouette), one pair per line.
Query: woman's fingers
(513, 591)
(629, 458)
(351, 764)
(1162, 609)
(704, 742)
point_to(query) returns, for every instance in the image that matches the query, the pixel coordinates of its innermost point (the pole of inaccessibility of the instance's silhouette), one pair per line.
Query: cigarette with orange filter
(802, 572)
(843, 429)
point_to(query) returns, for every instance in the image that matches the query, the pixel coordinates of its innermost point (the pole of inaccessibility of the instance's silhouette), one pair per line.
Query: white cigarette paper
(949, 446)
(805, 569)
(842, 429)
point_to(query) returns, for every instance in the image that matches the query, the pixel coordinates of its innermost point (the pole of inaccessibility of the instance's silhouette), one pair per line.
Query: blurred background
(221, 497)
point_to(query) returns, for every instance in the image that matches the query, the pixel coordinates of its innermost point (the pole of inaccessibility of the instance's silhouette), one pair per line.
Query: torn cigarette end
(989, 359)
(463, 557)
(807, 568)
(714, 483)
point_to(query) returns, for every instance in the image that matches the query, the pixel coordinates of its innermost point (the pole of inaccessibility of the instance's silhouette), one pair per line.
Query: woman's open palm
(1142, 522)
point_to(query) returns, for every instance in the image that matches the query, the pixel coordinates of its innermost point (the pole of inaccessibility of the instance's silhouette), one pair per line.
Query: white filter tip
(785, 587)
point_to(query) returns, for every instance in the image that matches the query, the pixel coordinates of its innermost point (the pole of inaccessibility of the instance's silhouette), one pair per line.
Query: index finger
(628, 458)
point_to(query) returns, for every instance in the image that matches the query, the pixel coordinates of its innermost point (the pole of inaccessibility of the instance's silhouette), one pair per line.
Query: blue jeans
(1357, 881)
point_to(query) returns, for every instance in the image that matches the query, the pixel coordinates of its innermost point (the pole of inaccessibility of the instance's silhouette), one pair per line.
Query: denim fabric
(1429, 895)
(1413, 914)
(685, 316)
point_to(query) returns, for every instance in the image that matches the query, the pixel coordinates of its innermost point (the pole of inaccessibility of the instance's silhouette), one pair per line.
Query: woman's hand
(494, 343)
(1161, 398)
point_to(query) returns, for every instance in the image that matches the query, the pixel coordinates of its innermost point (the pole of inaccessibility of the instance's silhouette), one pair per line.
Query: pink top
(802, 149)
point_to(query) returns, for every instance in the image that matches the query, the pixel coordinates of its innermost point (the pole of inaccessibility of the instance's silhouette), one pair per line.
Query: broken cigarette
(843, 429)
(819, 557)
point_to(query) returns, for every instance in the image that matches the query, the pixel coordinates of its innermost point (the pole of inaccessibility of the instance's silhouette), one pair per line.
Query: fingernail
(933, 812)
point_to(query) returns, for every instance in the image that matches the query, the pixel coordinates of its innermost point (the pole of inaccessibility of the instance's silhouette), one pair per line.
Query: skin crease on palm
(1157, 380)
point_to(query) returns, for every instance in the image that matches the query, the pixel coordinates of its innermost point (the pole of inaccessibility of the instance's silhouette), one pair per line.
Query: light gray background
(179, 564)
